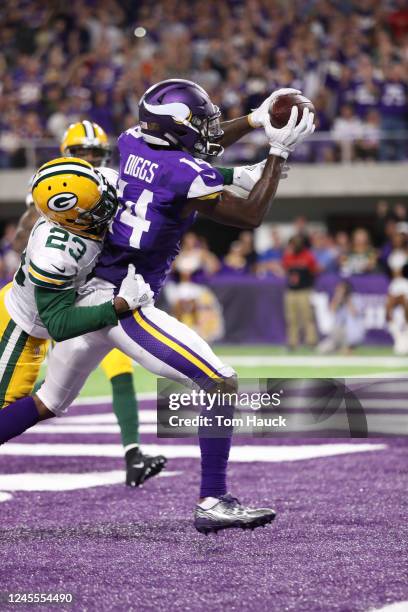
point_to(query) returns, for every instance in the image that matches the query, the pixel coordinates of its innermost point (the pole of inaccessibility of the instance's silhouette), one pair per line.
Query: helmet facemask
(210, 131)
(97, 156)
(96, 220)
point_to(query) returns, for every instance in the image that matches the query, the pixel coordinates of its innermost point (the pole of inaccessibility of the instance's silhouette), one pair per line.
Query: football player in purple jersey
(162, 186)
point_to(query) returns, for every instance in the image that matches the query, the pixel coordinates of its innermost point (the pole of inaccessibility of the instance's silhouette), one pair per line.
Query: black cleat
(228, 513)
(140, 467)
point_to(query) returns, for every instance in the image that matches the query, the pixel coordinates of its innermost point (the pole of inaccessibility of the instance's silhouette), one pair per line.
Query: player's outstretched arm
(249, 213)
(237, 128)
(234, 130)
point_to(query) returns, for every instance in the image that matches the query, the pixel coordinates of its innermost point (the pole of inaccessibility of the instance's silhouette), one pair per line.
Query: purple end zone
(338, 542)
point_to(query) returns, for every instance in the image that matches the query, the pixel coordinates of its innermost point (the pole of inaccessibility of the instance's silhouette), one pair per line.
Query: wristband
(249, 118)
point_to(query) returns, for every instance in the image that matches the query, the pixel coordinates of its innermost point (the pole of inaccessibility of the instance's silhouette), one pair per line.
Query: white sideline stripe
(5, 497)
(283, 360)
(102, 422)
(396, 374)
(107, 399)
(149, 416)
(315, 361)
(148, 428)
(145, 416)
(240, 454)
(63, 481)
(399, 606)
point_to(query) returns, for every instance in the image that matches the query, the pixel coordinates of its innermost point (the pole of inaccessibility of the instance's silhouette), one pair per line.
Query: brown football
(281, 108)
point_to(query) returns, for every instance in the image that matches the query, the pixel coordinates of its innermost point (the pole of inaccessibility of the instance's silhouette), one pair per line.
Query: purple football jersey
(153, 187)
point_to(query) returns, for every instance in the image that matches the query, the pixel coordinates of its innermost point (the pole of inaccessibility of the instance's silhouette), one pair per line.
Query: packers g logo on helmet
(62, 201)
(71, 193)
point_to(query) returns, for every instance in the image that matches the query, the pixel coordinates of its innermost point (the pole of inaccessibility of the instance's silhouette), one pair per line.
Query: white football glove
(284, 140)
(246, 176)
(260, 115)
(134, 290)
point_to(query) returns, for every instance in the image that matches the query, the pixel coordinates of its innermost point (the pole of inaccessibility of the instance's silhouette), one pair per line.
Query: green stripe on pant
(11, 326)
(12, 362)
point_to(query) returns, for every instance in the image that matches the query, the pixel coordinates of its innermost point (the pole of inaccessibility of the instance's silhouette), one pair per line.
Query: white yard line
(63, 481)
(288, 361)
(399, 606)
(107, 399)
(62, 428)
(315, 360)
(241, 454)
(145, 416)
(103, 420)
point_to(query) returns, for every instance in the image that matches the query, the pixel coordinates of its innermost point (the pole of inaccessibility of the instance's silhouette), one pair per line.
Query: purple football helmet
(179, 113)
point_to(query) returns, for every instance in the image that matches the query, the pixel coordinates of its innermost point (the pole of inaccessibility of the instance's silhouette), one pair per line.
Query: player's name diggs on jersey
(140, 168)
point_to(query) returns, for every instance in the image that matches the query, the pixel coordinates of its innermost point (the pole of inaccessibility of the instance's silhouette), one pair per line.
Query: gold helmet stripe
(89, 129)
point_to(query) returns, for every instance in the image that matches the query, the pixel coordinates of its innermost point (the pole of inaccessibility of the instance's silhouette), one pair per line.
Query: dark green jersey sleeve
(64, 320)
(227, 174)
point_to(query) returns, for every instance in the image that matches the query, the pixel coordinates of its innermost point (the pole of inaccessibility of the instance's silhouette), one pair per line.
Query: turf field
(339, 541)
(264, 361)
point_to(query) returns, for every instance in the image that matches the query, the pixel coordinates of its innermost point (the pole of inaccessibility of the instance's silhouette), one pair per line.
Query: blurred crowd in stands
(9, 258)
(63, 62)
(363, 251)
(381, 247)
(294, 256)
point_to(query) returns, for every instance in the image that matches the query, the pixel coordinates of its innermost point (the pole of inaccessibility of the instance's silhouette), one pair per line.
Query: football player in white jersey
(88, 141)
(76, 203)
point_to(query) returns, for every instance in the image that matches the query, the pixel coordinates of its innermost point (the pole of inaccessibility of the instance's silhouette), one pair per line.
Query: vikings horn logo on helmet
(180, 113)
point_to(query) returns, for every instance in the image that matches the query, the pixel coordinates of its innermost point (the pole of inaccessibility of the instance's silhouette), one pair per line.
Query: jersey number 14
(134, 215)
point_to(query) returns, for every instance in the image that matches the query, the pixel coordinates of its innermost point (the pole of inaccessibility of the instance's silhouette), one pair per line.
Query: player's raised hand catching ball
(259, 117)
(284, 140)
(287, 117)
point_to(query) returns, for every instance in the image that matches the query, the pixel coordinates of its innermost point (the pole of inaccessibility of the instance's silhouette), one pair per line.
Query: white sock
(208, 502)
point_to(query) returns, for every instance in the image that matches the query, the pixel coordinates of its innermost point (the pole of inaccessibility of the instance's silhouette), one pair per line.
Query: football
(281, 108)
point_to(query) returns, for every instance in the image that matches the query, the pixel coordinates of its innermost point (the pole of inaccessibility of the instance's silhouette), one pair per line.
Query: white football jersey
(54, 259)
